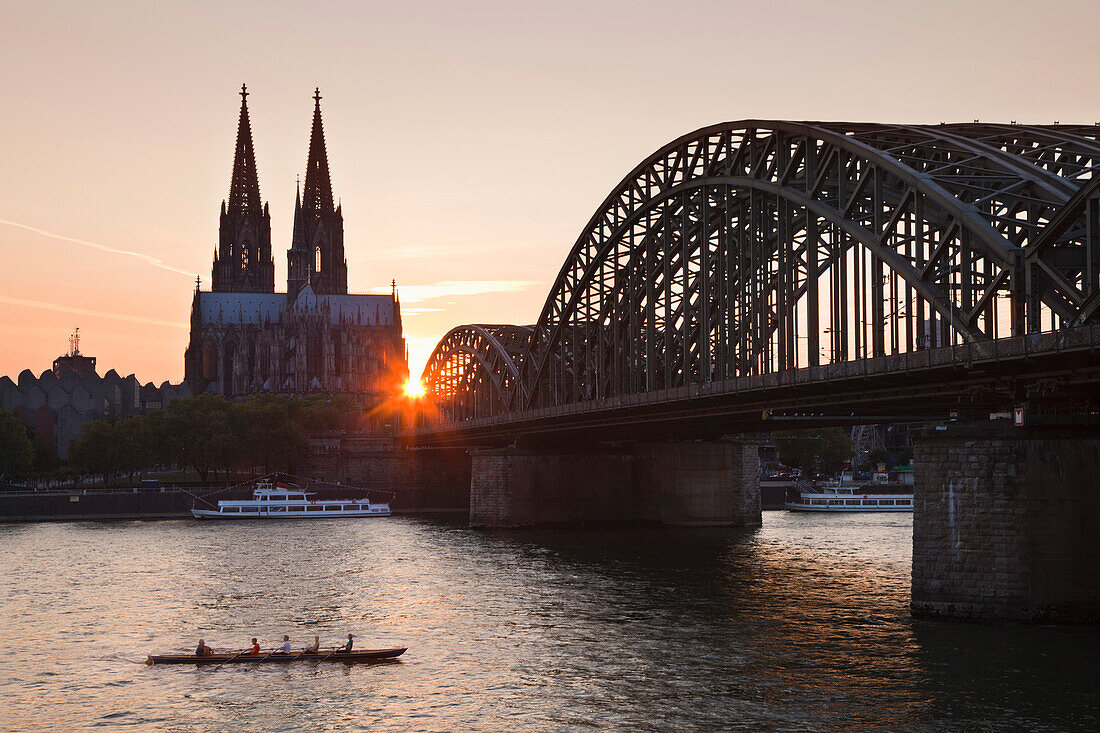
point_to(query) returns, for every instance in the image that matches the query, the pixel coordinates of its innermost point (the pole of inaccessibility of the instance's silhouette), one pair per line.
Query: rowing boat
(365, 655)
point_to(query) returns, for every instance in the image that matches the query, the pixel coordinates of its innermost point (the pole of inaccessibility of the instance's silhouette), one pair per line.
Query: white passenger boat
(282, 502)
(838, 497)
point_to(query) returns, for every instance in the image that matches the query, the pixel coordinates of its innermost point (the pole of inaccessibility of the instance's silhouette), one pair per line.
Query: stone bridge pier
(1006, 524)
(659, 483)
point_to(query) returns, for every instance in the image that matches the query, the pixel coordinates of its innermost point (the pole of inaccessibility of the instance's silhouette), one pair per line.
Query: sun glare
(414, 389)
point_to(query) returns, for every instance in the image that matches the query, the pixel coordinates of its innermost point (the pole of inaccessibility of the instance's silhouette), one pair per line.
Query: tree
(875, 458)
(46, 462)
(198, 430)
(16, 449)
(815, 451)
(96, 451)
(130, 449)
(273, 437)
(154, 438)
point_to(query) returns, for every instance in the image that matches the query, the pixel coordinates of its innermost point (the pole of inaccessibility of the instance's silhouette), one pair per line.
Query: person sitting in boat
(286, 644)
(313, 649)
(347, 647)
(255, 652)
(202, 650)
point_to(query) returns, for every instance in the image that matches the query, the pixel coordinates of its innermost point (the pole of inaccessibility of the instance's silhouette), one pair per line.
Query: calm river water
(801, 625)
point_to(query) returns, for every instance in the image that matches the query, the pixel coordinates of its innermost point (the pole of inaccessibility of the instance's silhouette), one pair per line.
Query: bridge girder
(473, 369)
(761, 246)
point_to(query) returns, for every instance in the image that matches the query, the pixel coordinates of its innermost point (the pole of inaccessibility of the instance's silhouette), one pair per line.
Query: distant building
(58, 403)
(74, 361)
(248, 339)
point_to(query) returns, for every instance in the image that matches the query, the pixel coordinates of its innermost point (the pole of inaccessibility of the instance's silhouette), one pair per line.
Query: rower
(347, 647)
(313, 649)
(255, 648)
(202, 650)
(286, 644)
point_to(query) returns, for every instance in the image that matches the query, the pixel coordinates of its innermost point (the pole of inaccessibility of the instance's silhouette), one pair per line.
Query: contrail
(101, 247)
(86, 312)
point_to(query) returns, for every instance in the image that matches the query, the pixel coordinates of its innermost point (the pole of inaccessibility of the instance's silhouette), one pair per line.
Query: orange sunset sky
(469, 142)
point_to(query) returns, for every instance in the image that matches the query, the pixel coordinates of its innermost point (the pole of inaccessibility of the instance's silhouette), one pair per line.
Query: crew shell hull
(366, 655)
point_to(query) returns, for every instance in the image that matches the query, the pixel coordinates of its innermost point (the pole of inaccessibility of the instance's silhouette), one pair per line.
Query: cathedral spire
(317, 196)
(242, 260)
(244, 186)
(316, 254)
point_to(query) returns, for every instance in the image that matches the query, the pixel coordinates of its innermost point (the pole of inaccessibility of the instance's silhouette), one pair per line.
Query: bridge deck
(925, 384)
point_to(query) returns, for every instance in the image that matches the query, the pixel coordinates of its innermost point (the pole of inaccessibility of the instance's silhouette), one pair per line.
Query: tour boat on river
(282, 502)
(841, 496)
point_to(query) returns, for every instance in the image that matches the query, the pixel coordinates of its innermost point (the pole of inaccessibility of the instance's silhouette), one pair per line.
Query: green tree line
(23, 454)
(208, 434)
(818, 451)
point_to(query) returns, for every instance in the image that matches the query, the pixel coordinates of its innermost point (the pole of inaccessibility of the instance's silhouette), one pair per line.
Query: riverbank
(175, 502)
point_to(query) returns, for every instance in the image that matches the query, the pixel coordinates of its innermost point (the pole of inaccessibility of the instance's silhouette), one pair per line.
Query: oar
(331, 653)
(299, 656)
(257, 664)
(242, 651)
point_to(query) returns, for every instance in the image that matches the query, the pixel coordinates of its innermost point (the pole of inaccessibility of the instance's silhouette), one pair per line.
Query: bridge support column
(647, 483)
(1006, 525)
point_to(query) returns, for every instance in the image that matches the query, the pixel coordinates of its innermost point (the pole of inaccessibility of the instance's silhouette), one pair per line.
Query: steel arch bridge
(754, 248)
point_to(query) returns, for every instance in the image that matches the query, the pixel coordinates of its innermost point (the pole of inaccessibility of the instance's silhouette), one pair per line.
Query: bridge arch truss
(762, 246)
(472, 371)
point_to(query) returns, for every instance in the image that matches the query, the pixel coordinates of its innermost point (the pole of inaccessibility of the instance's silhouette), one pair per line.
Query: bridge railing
(1075, 339)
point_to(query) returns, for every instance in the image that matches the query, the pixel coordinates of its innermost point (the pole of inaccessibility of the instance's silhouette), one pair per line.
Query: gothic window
(314, 355)
(228, 363)
(316, 259)
(209, 362)
(244, 256)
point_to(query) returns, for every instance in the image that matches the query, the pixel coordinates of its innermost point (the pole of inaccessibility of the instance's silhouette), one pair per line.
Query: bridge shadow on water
(803, 622)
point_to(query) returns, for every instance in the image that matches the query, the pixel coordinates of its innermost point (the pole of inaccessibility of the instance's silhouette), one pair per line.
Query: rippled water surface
(801, 625)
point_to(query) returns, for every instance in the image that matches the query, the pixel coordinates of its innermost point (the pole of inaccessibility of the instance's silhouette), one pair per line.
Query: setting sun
(413, 388)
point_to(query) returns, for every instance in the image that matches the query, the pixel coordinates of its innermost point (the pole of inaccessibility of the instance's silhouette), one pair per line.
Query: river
(800, 625)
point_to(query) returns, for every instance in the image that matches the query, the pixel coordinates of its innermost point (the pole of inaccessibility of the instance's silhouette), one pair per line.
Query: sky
(469, 142)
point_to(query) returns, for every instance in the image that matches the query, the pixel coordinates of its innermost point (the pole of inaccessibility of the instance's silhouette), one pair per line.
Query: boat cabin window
(313, 508)
(887, 502)
(851, 502)
(818, 502)
(870, 502)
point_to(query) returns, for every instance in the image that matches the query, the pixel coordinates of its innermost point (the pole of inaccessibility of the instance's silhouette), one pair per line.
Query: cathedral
(316, 338)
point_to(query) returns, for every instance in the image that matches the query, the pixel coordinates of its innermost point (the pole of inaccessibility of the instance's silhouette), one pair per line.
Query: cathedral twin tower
(248, 339)
(243, 261)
